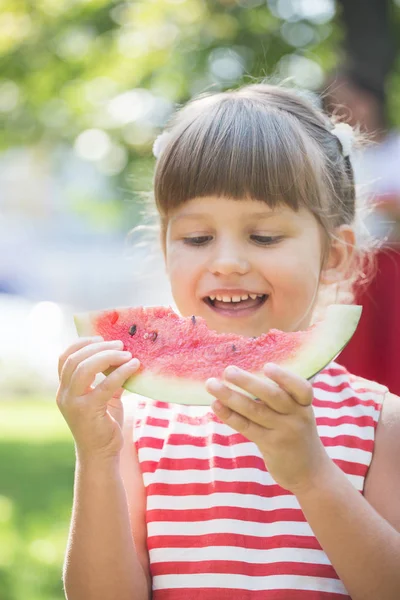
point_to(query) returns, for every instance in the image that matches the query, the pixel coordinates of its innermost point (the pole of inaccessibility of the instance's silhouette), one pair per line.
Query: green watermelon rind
(325, 342)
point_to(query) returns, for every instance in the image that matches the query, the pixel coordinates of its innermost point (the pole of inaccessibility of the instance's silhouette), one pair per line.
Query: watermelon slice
(179, 354)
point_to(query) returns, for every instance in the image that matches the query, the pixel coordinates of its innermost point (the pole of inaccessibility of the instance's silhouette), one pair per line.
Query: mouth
(235, 304)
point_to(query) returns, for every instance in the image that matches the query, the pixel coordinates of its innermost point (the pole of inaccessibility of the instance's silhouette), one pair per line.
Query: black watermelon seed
(132, 330)
(193, 320)
(234, 347)
(153, 336)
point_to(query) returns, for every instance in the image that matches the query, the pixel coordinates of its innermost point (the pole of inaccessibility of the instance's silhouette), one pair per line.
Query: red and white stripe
(219, 526)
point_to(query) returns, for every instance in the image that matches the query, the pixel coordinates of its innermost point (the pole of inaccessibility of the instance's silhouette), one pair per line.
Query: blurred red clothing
(374, 350)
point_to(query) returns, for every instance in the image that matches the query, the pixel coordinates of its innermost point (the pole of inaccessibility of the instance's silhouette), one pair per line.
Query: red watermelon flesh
(178, 355)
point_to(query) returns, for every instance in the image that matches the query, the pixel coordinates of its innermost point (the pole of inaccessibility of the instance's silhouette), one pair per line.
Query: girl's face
(242, 266)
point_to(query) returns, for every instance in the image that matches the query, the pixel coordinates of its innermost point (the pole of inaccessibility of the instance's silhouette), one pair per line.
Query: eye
(265, 240)
(199, 240)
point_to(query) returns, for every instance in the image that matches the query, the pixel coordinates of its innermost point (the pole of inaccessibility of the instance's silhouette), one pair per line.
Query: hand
(94, 414)
(280, 421)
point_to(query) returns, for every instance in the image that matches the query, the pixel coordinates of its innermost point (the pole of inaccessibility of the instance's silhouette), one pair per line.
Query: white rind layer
(324, 344)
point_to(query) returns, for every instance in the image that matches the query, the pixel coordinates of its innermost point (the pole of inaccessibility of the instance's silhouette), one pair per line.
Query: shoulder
(335, 377)
(382, 486)
(361, 384)
(388, 428)
(391, 410)
(364, 389)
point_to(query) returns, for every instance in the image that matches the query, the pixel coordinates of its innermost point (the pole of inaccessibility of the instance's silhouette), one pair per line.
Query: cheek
(176, 274)
(171, 261)
(294, 269)
(175, 258)
(186, 261)
(181, 270)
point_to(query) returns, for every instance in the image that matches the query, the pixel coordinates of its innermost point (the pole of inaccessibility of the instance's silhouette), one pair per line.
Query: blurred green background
(102, 77)
(36, 458)
(85, 87)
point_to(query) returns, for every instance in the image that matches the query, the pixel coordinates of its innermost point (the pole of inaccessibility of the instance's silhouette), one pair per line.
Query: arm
(101, 561)
(105, 559)
(359, 534)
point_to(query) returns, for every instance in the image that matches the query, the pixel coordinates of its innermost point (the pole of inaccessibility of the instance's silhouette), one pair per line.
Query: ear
(339, 255)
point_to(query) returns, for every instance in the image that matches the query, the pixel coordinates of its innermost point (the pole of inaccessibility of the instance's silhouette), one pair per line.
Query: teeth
(236, 298)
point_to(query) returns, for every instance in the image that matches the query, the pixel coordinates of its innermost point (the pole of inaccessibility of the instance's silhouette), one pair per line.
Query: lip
(232, 292)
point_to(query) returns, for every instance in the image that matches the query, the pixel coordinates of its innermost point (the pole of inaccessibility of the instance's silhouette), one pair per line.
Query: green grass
(36, 478)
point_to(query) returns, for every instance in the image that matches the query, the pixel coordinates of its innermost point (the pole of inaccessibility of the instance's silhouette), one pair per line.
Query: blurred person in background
(357, 95)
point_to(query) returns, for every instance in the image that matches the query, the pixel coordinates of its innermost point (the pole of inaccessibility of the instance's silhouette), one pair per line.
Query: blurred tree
(104, 75)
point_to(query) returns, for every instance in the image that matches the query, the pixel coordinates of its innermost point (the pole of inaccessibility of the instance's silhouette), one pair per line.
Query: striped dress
(219, 526)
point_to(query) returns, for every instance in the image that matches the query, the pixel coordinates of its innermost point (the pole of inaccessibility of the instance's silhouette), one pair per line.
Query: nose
(227, 260)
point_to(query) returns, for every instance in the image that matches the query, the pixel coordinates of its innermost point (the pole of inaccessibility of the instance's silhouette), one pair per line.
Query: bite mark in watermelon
(178, 355)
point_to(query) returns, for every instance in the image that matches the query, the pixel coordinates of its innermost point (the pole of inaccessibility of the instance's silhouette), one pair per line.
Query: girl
(245, 499)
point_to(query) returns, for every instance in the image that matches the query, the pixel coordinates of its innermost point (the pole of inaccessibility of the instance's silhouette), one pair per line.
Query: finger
(81, 343)
(113, 383)
(252, 431)
(297, 387)
(74, 359)
(253, 410)
(86, 371)
(263, 388)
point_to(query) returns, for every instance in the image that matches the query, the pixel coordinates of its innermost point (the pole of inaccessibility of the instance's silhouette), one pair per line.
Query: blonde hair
(266, 143)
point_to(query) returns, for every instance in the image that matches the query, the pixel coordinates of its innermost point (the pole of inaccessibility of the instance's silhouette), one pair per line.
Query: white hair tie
(345, 134)
(160, 142)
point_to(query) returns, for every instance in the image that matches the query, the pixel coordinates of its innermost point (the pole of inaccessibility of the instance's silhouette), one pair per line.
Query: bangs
(235, 147)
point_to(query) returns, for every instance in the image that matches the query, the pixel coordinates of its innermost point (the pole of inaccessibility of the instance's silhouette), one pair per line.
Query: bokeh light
(93, 144)
(226, 64)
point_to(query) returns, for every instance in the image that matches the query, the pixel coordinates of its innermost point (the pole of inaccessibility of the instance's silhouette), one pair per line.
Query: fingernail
(134, 362)
(212, 384)
(126, 353)
(117, 343)
(231, 371)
